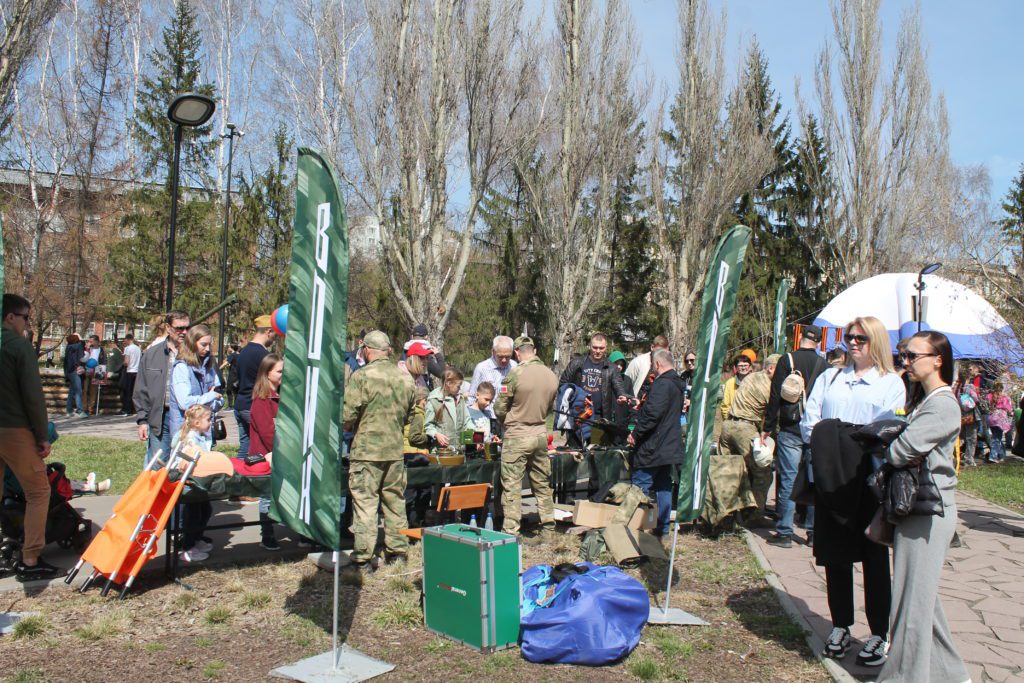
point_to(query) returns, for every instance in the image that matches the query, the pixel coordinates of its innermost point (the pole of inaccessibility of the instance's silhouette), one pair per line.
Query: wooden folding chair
(456, 498)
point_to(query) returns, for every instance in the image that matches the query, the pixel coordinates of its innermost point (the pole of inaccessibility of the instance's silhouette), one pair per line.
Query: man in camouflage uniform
(378, 400)
(744, 424)
(524, 403)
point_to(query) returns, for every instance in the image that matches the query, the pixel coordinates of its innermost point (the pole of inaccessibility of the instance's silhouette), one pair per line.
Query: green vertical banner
(306, 474)
(2, 256)
(716, 309)
(780, 316)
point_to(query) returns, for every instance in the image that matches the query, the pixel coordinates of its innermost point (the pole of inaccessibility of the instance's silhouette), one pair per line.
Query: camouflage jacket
(378, 401)
(526, 398)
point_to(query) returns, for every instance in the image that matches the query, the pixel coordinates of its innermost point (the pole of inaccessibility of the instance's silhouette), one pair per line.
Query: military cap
(377, 340)
(773, 359)
(522, 340)
(261, 322)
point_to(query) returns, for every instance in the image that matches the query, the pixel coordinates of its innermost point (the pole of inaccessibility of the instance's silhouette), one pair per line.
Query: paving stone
(999, 606)
(977, 672)
(1009, 635)
(997, 673)
(959, 611)
(1004, 620)
(979, 653)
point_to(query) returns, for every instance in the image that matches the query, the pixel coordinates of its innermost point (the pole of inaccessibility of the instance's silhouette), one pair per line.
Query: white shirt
(841, 395)
(132, 356)
(489, 371)
(637, 371)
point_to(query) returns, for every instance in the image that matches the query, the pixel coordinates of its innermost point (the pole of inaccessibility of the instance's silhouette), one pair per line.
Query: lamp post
(222, 317)
(189, 110)
(927, 270)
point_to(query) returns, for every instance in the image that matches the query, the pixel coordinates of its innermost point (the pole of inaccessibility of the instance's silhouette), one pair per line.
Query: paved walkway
(117, 427)
(982, 591)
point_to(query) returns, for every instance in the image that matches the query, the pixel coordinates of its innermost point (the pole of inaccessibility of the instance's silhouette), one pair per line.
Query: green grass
(256, 600)
(438, 645)
(643, 668)
(670, 644)
(214, 669)
(154, 647)
(29, 627)
(103, 627)
(401, 612)
(217, 615)
(1001, 484)
(27, 676)
(115, 458)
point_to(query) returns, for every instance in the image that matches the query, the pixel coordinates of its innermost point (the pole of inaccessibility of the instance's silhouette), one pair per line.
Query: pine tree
(175, 70)
(1013, 224)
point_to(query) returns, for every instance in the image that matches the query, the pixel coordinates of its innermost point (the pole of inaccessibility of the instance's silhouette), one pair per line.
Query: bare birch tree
(712, 154)
(433, 111)
(583, 137)
(24, 23)
(883, 140)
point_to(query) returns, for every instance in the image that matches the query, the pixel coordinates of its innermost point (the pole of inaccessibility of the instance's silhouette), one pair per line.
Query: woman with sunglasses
(922, 647)
(865, 389)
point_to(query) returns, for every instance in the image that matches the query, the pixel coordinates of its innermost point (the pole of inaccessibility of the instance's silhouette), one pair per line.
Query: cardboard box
(599, 515)
(631, 545)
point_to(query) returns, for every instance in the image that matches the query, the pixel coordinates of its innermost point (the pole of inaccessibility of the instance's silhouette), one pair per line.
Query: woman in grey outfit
(921, 647)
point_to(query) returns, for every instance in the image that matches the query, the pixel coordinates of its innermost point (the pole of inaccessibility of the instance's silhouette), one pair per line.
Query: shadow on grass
(760, 612)
(313, 602)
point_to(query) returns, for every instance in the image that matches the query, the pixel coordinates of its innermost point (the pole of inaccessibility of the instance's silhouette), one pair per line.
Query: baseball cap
(419, 347)
(377, 340)
(812, 332)
(522, 340)
(420, 330)
(262, 321)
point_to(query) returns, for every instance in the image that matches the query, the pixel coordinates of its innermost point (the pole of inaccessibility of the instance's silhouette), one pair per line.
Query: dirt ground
(240, 622)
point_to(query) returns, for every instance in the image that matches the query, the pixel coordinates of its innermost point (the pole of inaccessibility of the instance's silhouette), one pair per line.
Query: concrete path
(117, 427)
(982, 591)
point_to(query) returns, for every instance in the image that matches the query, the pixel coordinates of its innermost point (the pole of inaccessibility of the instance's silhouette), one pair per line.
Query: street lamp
(927, 270)
(189, 110)
(230, 135)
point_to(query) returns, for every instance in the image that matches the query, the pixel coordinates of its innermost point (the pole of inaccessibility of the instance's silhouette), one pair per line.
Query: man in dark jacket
(74, 355)
(657, 439)
(151, 396)
(784, 417)
(599, 377)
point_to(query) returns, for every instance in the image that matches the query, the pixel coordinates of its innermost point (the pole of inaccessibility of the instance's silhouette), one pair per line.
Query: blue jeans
(789, 450)
(659, 481)
(74, 393)
(159, 442)
(997, 450)
(242, 420)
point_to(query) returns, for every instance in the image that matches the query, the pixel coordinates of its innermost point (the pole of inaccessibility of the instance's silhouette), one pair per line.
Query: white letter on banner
(323, 222)
(307, 482)
(316, 323)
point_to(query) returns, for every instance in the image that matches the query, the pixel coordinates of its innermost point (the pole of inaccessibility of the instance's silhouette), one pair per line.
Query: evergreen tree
(1013, 224)
(175, 70)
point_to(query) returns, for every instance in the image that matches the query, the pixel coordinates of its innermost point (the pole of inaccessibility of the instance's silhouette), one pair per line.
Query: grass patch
(115, 458)
(27, 676)
(186, 601)
(214, 669)
(29, 627)
(203, 641)
(352, 578)
(101, 628)
(399, 584)
(643, 668)
(256, 600)
(671, 645)
(438, 645)
(500, 661)
(726, 573)
(216, 616)
(154, 647)
(302, 632)
(401, 612)
(1001, 484)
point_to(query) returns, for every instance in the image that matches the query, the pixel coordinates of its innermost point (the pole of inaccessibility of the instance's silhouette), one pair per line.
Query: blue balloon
(280, 320)
(91, 363)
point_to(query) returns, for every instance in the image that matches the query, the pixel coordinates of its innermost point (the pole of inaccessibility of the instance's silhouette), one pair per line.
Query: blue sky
(974, 58)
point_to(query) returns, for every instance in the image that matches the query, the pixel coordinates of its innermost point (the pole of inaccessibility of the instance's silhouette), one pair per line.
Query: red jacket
(261, 424)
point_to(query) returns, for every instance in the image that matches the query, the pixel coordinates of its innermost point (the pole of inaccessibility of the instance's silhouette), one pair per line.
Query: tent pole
(334, 637)
(671, 568)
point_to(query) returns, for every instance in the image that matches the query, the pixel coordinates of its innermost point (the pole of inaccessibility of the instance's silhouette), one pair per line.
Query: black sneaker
(810, 539)
(874, 653)
(270, 543)
(838, 643)
(41, 570)
(780, 540)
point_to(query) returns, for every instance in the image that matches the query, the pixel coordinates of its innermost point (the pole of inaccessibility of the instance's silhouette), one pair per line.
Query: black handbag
(803, 487)
(220, 430)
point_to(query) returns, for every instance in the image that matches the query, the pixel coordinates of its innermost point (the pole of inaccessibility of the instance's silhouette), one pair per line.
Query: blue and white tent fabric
(973, 326)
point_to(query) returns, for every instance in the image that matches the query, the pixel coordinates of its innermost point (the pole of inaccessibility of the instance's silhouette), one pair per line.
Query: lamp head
(930, 268)
(191, 110)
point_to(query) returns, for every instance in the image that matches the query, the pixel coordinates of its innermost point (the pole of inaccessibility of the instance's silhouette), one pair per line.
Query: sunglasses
(691, 360)
(859, 338)
(910, 356)
(25, 316)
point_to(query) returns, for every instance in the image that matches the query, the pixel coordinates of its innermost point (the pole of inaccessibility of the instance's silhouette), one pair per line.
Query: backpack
(794, 387)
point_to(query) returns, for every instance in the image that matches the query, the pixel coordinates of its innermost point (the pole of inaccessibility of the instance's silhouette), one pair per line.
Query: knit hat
(616, 356)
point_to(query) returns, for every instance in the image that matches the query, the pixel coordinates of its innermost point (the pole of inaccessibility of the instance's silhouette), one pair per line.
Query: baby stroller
(64, 525)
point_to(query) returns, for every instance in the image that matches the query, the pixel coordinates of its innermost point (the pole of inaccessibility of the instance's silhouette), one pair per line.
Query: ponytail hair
(193, 413)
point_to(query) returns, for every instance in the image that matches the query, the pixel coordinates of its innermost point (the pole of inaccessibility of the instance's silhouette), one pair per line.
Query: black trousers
(127, 386)
(877, 590)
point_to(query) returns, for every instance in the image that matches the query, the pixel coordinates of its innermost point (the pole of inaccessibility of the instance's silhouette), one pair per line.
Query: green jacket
(446, 416)
(378, 400)
(22, 403)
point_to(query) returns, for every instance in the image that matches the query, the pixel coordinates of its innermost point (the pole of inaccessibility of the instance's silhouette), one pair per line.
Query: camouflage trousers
(373, 485)
(736, 438)
(521, 455)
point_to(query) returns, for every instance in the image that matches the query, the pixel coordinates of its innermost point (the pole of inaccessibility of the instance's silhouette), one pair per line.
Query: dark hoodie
(658, 434)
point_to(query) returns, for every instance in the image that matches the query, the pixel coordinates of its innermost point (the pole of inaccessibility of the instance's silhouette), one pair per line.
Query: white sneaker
(203, 547)
(874, 653)
(103, 486)
(194, 555)
(838, 643)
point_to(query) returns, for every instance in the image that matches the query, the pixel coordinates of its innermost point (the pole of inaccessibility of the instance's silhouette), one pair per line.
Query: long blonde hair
(263, 387)
(189, 351)
(193, 413)
(880, 349)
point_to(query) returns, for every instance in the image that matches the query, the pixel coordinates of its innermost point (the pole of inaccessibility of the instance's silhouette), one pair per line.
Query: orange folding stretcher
(129, 538)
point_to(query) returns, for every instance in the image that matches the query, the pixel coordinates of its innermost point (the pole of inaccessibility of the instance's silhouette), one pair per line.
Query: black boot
(268, 541)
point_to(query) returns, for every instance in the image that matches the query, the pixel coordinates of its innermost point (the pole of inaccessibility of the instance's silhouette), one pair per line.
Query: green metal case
(471, 585)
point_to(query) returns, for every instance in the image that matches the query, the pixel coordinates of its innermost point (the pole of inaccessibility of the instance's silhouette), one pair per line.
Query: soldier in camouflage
(378, 401)
(524, 403)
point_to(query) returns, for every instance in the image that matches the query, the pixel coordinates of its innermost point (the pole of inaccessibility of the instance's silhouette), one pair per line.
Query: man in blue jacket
(657, 440)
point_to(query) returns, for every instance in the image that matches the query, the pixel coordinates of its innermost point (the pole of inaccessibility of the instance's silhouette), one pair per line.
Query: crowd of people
(795, 419)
